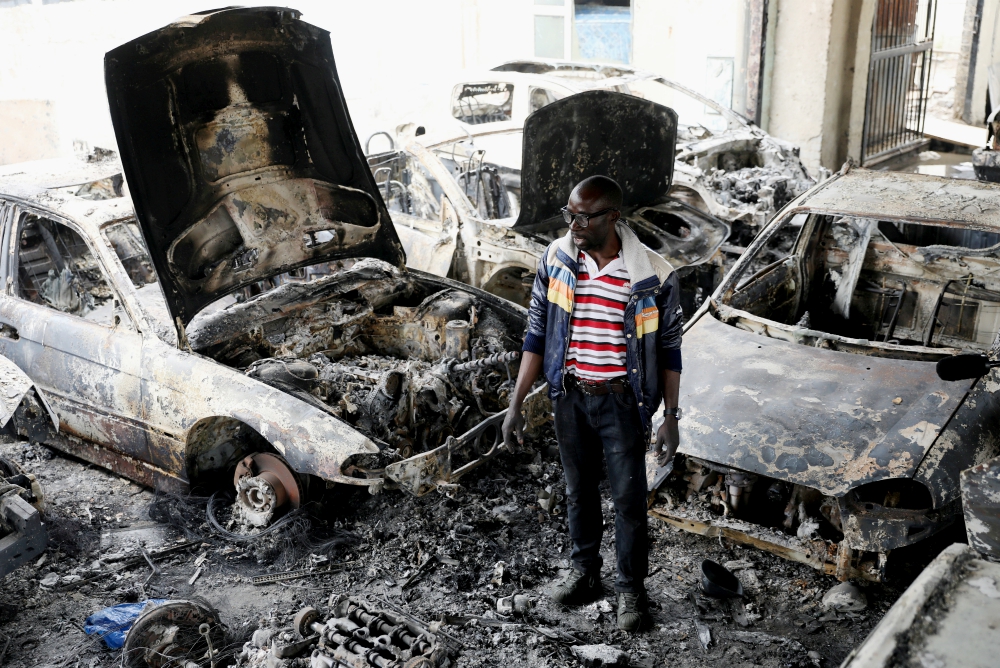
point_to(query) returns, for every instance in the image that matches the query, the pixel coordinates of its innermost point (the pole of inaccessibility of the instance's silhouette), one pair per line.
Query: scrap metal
(353, 633)
(818, 413)
(947, 617)
(23, 536)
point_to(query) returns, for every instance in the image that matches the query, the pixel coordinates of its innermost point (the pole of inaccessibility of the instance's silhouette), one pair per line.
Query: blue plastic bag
(112, 624)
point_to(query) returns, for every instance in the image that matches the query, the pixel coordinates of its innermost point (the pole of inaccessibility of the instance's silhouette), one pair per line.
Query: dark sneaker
(577, 588)
(631, 610)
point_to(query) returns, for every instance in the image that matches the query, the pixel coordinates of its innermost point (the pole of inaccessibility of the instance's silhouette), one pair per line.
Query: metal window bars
(898, 78)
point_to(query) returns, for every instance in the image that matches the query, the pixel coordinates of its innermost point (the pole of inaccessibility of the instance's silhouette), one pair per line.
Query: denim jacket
(652, 317)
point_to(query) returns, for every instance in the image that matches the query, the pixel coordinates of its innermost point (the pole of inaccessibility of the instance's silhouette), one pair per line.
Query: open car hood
(241, 157)
(596, 132)
(825, 419)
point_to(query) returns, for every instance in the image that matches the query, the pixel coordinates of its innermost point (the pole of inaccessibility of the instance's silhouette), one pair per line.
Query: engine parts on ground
(175, 634)
(112, 624)
(718, 582)
(22, 533)
(352, 633)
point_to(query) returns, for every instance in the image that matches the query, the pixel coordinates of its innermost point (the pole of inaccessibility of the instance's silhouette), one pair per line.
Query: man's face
(594, 235)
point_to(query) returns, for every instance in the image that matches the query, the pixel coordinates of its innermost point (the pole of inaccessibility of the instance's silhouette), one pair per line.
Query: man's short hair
(603, 188)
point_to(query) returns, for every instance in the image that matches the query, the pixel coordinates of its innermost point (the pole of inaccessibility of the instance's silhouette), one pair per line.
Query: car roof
(52, 184)
(902, 196)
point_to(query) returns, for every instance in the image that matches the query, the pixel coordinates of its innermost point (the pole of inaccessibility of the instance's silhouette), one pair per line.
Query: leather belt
(597, 388)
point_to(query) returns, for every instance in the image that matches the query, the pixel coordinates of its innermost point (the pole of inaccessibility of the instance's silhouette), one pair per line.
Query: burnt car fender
(14, 386)
(970, 438)
(967, 439)
(197, 404)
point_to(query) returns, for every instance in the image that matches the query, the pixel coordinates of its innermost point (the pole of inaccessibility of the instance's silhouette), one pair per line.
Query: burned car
(147, 333)
(816, 426)
(725, 165)
(456, 218)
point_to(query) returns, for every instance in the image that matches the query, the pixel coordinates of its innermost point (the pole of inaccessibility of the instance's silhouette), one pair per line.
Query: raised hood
(597, 132)
(826, 419)
(240, 155)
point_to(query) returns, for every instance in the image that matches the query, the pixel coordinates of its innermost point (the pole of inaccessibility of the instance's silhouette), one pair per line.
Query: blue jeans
(588, 427)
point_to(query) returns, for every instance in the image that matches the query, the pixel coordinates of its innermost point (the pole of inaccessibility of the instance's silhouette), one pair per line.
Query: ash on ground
(475, 568)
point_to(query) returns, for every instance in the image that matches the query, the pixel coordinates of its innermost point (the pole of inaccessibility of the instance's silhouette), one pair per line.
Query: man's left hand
(667, 439)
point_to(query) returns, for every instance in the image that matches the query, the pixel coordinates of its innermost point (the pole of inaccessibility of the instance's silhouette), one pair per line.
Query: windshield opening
(130, 248)
(899, 283)
(478, 103)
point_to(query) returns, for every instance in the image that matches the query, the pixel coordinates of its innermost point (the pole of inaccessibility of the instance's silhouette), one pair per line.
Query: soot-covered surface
(497, 538)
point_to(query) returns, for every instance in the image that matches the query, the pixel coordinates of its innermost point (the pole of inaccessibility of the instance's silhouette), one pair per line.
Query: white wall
(675, 38)
(397, 58)
(948, 26)
(394, 56)
(798, 96)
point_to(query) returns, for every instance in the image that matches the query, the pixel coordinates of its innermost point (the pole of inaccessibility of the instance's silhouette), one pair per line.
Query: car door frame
(116, 429)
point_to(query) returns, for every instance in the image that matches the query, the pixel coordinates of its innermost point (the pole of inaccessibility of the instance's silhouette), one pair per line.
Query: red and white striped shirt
(597, 328)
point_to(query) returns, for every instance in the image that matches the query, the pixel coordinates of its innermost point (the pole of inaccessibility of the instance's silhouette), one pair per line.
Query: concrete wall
(393, 56)
(944, 67)
(676, 39)
(29, 131)
(988, 56)
(817, 77)
(397, 58)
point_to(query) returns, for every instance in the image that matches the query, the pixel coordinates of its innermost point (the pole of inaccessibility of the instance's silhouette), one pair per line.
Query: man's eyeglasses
(582, 219)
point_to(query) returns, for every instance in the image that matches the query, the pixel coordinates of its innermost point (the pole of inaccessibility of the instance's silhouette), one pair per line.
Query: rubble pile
(411, 405)
(352, 633)
(754, 193)
(473, 570)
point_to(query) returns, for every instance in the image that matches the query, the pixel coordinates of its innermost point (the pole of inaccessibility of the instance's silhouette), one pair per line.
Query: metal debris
(23, 535)
(352, 633)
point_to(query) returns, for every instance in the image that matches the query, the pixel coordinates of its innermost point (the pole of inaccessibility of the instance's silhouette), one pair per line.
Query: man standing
(605, 324)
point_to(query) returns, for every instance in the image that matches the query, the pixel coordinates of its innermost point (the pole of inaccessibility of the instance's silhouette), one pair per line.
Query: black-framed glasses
(583, 219)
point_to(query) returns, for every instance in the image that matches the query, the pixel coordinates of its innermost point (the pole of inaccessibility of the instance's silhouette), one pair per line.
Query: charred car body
(456, 217)
(725, 165)
(816, 425)
(127, 322)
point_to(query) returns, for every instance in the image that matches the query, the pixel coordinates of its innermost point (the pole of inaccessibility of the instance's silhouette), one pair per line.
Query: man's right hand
(513, 428)
(513, 422)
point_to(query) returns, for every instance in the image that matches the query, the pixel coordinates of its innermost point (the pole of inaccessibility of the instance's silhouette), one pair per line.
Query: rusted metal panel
(822, 555)
(877, 528)
(813, 417)
(981, 505)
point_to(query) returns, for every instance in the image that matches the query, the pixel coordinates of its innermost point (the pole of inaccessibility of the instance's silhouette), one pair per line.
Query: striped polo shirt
(597, 328)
